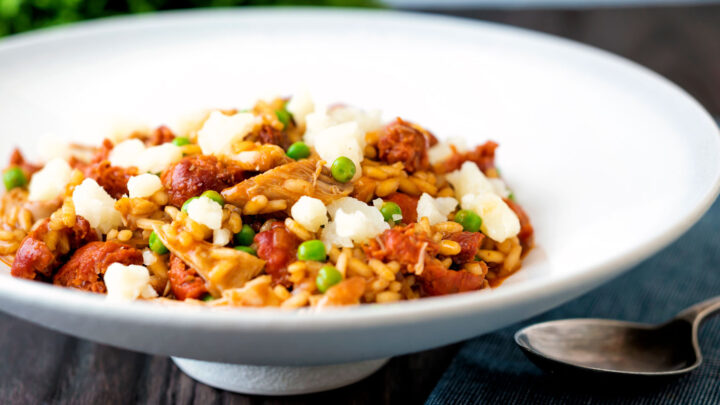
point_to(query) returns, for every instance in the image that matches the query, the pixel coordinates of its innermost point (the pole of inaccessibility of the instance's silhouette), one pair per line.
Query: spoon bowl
(602, 346)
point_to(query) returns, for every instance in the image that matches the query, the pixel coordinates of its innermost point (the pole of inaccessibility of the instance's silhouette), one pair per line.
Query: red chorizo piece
(159, 136)
(437, 280)
(185, 281)
(270, 134)
(526, 229)
(407, 204)
(400, 141)
(278, 247)
(17, 159)
(194, 175)
(113, 179)
(469, 244)
(35, 260)
(87, 265)
(483, 156)
(401, 244)
(102, 153)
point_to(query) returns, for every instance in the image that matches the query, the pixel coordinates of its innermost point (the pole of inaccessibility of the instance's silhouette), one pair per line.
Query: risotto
(285, 204)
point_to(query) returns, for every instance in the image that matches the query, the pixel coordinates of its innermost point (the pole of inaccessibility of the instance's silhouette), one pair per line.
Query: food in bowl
(284, 205)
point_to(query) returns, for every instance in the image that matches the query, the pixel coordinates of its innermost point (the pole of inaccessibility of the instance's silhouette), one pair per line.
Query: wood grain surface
(42, 366)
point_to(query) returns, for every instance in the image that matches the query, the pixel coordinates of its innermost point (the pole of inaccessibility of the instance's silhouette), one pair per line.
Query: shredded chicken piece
(260, 158)
(290, 182)
(222, 268)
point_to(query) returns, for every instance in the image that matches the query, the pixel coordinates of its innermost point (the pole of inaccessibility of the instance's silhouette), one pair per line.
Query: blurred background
(23, 15)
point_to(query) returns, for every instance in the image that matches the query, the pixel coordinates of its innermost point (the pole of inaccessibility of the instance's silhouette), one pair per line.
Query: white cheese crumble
(221, 237)
(50, 182)
(441, 150)
(50, 146)
(155, 159)
(219, 131)
(300, 105)
(93, 203)
(367, 120)
(205, 211)
(149, 257)
(353, 221)
(143, 185)
(125, 283)
(310, 213)
(500, 187)
(341, 140)
(436, 210)
(469, 180)
(127, 153)
(499, 221)
(133, 153)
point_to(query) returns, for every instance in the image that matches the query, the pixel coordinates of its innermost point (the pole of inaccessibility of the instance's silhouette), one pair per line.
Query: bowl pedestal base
(277, 380)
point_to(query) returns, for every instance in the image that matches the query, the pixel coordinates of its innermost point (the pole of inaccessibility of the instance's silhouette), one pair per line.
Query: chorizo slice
(185, 281)
(194, 175)
(403, 142)
(278, 247)
(35, 259)
(87, 265)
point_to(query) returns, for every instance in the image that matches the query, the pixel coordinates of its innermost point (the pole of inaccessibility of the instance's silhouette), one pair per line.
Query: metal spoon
(608, 347)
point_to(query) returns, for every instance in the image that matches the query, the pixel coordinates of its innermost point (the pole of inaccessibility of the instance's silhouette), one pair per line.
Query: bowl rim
(356, 317)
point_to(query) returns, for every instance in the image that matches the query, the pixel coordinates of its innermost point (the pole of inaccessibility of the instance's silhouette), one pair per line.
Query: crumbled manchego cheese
(353, 221)
(436, 210)
(220, 131)
(126, 283)
(300, 105)
(133, 153)
(143, 185)
(441, 151)
(500, 187)
(341, 140)
(149, 257)
(469, 180)
(310, 213)
(205, 211)
(50, 182)
(93, 203)
(221, 237)
(499, 221)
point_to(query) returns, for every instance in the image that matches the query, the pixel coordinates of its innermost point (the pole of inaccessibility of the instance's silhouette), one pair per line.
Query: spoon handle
(698, 312)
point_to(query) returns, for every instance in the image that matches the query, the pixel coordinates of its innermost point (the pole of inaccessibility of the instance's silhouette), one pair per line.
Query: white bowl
(611, 161)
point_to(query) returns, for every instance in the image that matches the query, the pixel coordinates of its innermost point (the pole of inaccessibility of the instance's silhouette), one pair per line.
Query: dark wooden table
(41, 366)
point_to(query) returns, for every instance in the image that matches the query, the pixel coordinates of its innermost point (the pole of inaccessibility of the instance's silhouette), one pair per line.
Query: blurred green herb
(23, 15)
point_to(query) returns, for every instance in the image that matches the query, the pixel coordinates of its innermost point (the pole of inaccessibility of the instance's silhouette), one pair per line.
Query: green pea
(327, 277)
(208, 298)
(186, 203)
(14, 177)
(298, 150)
(215, 196)
(181, 141)
(511, 197)
(156, 244)
(389, 209)
(246, 249)
(343, 169)
(284, 116)
(469, 220)
(312, 250)
(245, 237)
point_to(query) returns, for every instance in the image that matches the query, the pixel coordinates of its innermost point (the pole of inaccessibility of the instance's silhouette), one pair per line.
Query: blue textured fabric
(492, 369)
